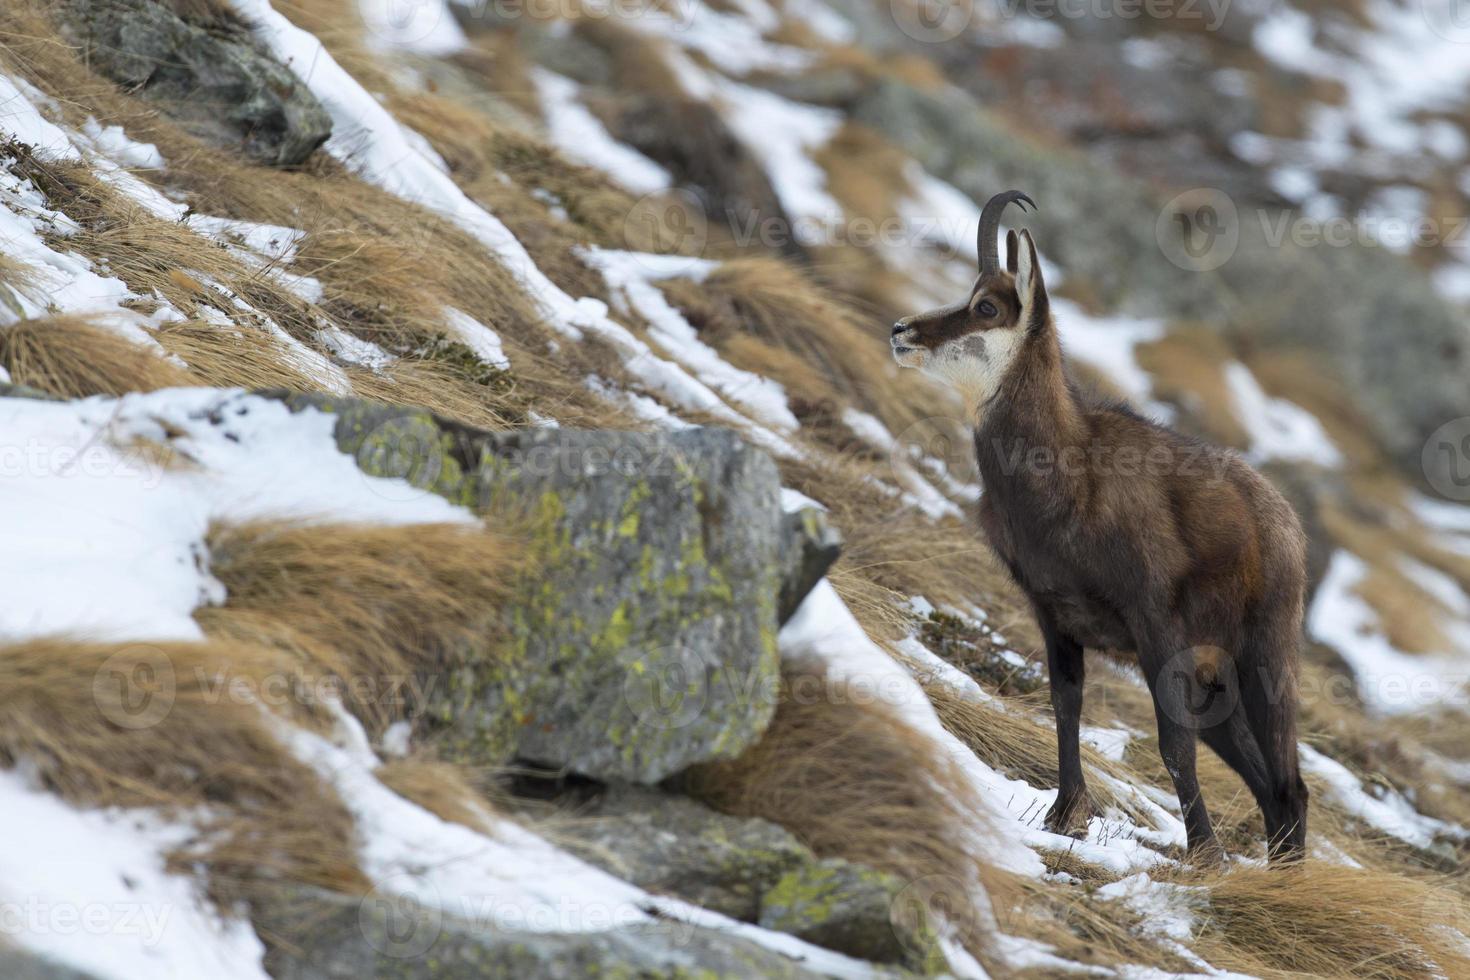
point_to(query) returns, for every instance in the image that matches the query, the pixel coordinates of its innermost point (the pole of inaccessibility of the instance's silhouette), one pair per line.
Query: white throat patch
(976, 363)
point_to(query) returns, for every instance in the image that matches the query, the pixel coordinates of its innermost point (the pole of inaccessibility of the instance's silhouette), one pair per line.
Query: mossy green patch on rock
(643, 640)
(650, 619)
(848, 908)
(675, 845)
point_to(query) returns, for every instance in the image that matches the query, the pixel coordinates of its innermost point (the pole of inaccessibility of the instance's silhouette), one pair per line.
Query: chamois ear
(1029, 285)
(1011, 251)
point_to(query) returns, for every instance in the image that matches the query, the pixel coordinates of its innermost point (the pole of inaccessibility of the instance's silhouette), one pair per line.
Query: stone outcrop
(848, 908)
(319, 935)
(213, 79)
(809, 546)
(675, 845)
(643, 639)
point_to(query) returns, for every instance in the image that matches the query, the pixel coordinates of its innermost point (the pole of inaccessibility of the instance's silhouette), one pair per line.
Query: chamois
(1127, 537)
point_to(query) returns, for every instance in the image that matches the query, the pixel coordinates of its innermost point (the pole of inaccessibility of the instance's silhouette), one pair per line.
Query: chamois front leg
(1073, 808)
(1170, 685)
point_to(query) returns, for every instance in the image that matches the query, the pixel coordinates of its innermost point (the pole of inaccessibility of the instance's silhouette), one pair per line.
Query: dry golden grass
(1022, 746)
(382, 602)
(864, 172)
(910, 69)
(1332, 921)
(369, 606)
(70, 357)
(839, 769)
(1081, 927)
(1186, 366)
(16, 280)
(232, 357)
(1301, 379)
(1407, 613)
(775, 303)
(636, 58)
(159, 725)
(442, 788)
(388, 267)
(439, 388)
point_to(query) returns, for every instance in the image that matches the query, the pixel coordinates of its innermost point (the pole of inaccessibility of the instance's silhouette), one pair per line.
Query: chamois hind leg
(1268, 694)
(1171, 682)
(1065, 664)
(1234, 743)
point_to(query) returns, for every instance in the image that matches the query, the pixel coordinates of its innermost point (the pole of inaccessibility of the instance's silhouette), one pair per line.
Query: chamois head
(972, 344)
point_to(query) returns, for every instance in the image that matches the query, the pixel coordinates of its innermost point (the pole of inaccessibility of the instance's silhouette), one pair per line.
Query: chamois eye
(986, 309)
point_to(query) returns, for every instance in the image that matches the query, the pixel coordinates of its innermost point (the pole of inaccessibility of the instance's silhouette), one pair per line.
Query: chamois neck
(1031, 420)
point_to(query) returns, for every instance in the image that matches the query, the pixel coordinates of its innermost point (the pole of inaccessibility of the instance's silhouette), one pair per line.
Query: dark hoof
(1069, 817)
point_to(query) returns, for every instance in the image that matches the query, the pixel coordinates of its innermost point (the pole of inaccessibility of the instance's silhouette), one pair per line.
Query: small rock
(218, 83)
(319, 935)
(809, 546)
(844, 907)
(18, 964)
(677, 846)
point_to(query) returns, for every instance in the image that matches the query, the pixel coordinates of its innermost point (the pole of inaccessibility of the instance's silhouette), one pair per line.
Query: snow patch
(89, 889)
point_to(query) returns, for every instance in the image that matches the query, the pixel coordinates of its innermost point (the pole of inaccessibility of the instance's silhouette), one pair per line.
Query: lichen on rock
(849, 908)
(677, 846)
(213, 79)
(643, 636)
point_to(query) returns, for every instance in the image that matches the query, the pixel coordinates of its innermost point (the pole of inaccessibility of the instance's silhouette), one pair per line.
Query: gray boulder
(809, 546)
(211, 78)
(674, 845)
(644, 639)
(18, 964)
(318, 935)
(848, 908)
(652, 627)
(8, 390)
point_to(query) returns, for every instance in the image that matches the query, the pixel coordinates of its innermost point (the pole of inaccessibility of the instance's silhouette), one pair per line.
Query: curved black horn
(990, 225)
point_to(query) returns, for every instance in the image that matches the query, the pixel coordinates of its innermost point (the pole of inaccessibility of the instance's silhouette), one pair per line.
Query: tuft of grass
(232, 357)
(368, 606)
(70, 357)
(1330, 920)
(844, 355)
(444, 789)
(865, 172)
(1022, 747)
(160, 725)
(844, 773)
(443, 390)
(1186, 366)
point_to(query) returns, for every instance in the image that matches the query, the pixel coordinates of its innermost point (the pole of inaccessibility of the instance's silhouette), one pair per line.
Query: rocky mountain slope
(462, 518)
